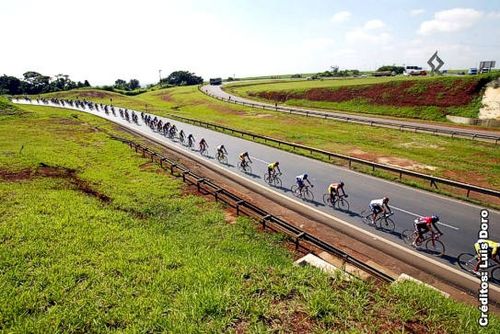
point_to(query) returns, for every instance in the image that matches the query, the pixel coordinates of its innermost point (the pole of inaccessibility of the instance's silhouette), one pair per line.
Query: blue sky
(105, 40)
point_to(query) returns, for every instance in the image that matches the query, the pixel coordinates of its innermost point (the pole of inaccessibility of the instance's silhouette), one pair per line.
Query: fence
(381, 123)
(266, 219)
(433, 180)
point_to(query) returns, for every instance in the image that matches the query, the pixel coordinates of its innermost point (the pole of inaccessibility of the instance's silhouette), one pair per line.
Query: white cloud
(373, 25)
(371, 32)
(340, 17)
(417, 12)
(451, 20)
(493, 15)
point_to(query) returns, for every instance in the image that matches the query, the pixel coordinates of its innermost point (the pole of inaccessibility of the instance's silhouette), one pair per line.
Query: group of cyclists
(422, 225)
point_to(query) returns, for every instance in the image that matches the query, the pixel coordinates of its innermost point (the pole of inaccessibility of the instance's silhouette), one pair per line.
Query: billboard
(489, 64)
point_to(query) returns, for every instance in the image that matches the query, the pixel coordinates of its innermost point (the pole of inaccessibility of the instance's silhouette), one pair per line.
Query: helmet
(435, 218)
(341, 183)
(385, 199)
(277, 163)
(305, 175)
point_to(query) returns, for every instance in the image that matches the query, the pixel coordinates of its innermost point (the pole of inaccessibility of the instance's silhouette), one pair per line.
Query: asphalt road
(216, 90)
(459, 220)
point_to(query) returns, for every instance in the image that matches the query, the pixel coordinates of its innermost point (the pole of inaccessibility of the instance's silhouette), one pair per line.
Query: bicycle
(274, 179)
(245, 167)
(432, 243)
(338, 202)
(468, 262)
(304, 192)
(222, 158)
(204, 151)
(383, 221)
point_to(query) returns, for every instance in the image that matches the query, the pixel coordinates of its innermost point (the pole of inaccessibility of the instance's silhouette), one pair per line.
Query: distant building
(216, 81)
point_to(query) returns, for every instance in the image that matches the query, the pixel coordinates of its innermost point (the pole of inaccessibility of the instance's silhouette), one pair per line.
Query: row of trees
(36, 83)
(123, 85)
(181, 78)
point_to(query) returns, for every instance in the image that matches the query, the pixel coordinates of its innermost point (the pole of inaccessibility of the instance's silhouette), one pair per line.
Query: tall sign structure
(440, 63)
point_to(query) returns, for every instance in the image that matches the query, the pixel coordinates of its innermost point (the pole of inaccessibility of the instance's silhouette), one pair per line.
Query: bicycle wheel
(342, 204)
(308, 195)
(327, 200)
(386, 224)
(366, 217)
(222, 159)
(277, 182)
(248, 169)
(495, 275)
(434, 247)
(295, 190)
(409, 237)
(266, 178)
(467, 261)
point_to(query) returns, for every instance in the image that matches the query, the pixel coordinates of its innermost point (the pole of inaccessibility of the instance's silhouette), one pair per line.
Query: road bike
(383, 222)
(337, 202)
(468, 261)
(221, 156)
(274, 179)
(245, 167)
(304, 192)
(432, 244)
(204, 150)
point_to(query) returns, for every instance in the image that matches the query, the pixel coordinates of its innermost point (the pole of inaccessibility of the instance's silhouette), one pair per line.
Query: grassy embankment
(94, 239)
(459, 159)
(419, 98)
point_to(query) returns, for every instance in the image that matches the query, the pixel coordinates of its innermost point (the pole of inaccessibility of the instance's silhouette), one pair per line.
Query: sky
(103, 40)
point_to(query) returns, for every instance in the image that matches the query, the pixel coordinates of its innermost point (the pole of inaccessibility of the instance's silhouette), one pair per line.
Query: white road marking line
(254, 158)
(417, 215)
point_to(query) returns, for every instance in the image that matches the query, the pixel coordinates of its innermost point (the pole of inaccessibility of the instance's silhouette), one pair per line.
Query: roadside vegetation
(419, 98)
(95, 238)
(457, 159)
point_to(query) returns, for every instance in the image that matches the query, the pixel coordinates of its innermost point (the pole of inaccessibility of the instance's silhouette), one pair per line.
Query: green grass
(155, 259)
(428, 112)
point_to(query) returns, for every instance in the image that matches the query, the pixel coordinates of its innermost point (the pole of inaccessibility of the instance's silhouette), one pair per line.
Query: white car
(413, 70)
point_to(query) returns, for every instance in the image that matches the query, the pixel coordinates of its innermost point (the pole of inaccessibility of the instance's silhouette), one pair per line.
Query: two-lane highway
(459, 220)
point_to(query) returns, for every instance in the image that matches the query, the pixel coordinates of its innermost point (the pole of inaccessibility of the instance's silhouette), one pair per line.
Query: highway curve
(494, 136)
(459, 220)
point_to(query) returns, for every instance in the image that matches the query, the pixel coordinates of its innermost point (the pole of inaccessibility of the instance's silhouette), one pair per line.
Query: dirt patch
(414, 144)
(412, 93)
(362, 154)
(224, 109)
(404, 163)
(44, 170)
(94, 94)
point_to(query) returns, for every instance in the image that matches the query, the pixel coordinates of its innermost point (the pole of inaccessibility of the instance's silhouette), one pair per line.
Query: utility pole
(159, 71)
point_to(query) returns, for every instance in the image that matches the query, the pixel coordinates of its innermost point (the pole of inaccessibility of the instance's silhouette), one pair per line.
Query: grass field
(136, 254)
(96, 239)
(428, 98)
(459, 159)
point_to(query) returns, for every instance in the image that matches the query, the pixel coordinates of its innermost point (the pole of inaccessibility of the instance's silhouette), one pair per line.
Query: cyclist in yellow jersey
(271, 168)
(492, 248)
(334, 190)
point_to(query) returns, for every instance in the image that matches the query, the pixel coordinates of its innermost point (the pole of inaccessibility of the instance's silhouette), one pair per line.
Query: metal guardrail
(433, 180)
(266, 219)
(381, 123)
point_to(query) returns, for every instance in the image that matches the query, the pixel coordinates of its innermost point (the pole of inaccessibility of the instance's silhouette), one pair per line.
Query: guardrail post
(263, 221)
(433, 183)
(238, 206)
(297, 239)
(198, 182)
(216, 194)
(184, 175)
(172, 166)
(350, 163)
(468, 193)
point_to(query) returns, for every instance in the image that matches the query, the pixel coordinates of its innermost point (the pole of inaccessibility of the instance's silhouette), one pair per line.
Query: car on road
(472, 71)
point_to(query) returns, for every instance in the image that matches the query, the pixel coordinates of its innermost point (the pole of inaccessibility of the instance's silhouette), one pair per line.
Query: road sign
(487, 64)
(440, 63)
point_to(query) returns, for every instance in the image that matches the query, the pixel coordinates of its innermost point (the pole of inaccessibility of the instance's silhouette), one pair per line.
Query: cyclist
(203, 145)
(333, 190)
(271, 168)
(300, 181)
(379, 205)
(181, 135)
(492, 252)
(424, 225)
(191, 140)
(221, 150)
(243, 159)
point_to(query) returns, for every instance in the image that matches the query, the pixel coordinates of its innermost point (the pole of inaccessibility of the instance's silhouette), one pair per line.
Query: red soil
(399, 94)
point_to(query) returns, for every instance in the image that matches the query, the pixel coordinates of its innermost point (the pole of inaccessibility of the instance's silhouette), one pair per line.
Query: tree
(86, 83)
(391, 68)
(120, 84)
(35, 83)
(10, 85)
(133, 84)
(182, 78)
